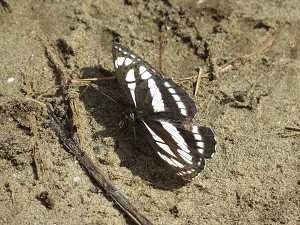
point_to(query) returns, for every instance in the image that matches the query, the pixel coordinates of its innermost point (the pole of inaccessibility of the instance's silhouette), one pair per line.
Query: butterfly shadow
(106, 105)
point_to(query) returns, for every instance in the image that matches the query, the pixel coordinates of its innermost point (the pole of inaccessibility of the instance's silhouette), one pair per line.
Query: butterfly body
(160, 106)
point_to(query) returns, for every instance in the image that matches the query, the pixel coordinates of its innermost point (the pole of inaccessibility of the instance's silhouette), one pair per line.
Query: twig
(37, 161)
(38, 166)
(290, 133)
(198, 81)
(67, 140)
(264, 46)
(293, 129)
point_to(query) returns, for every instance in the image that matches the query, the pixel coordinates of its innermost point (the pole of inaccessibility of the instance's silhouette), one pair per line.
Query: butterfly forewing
(148, 90)
(124, 62)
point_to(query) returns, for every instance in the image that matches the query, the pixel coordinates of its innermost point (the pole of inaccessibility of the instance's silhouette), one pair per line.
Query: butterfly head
(130, 116)
(133, 116)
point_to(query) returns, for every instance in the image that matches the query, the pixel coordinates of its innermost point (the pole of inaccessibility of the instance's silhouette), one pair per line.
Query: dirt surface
(254, 175)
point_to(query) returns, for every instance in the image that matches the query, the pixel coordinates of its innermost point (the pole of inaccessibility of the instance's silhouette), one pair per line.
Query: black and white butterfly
(160, 106)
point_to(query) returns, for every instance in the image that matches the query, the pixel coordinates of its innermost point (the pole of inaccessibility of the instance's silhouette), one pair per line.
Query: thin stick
(264, 46)
(198, 81)
(73, 147)
(37, 162)
(293, 128)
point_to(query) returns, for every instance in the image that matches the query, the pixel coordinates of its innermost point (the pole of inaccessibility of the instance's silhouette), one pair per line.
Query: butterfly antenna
(103, 93)
(87, 83)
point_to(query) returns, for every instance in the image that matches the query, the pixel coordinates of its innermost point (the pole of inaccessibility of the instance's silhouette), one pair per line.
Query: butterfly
(160, 107)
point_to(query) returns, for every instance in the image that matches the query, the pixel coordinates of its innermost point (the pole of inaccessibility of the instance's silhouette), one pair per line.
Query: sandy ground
(252, 179)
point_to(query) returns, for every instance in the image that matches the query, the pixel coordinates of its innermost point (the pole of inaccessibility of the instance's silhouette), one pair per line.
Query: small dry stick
(292, 129)
(37, 159)
(38, 163)
(67, 140)
(264, 46)
(198, 81)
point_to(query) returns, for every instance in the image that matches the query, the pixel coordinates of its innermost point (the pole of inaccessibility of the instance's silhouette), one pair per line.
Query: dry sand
(252, 179)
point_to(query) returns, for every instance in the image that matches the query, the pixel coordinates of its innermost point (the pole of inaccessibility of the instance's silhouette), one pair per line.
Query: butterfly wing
(158, 102)
(184, 151)
(148, 90)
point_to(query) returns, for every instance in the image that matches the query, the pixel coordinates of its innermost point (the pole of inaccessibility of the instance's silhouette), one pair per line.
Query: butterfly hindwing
(184, 151)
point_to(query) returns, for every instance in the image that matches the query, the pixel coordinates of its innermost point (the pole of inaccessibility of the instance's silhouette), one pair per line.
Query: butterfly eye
(132, 117)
